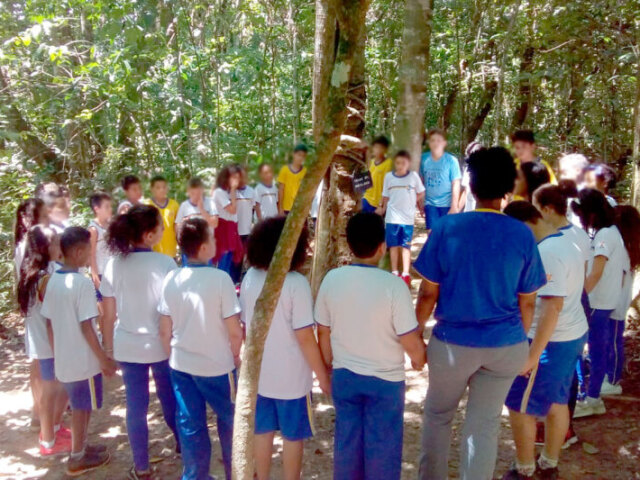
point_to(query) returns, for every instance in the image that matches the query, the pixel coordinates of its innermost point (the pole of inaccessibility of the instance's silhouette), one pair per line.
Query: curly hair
(263, 241)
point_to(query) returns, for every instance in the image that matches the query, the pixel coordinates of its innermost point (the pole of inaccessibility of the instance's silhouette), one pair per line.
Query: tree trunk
(524, 89)
(413, 75)
(333, 78)
(635, 191)
(486, 103)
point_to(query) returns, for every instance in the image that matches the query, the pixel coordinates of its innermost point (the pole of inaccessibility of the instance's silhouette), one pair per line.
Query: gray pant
(489, 373)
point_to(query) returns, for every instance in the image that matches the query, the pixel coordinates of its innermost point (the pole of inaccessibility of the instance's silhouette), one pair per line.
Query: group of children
(139, 312)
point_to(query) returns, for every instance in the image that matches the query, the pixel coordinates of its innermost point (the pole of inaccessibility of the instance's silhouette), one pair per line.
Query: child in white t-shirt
(266, 193)
(200, 329)
(366, 323)
(70, 306)
(133, 193)
(402, 194)
(246, 199)
(228, 244)
(291, 353)
(196, 205)
(131, 288)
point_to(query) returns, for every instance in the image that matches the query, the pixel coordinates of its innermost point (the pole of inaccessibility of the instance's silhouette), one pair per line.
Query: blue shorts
(85, 394)
(433, 214)
(367, 207)
(47, 369)
(98, 294)
(293, 418)
(549, 382)
(398, 235)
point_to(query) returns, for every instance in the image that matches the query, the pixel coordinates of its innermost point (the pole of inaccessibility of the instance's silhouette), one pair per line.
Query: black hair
(551, 196)
(195, 182)
(264, 239)
(523, 211)
(301, 147)
(262, 166)
(627, 219)
(604, 173)
(536, 175)
(365, 233)
(129, 228)
(95, 200)
(436, 131)
(403, 153)
(157, 178)
(27, 216)
(222, 181)
(381, 140)
(492, 173)
(34, 265)
(73, 237)
(129, 180)
(569, 188)
(523, 136)
(193, 233)
(594, 210)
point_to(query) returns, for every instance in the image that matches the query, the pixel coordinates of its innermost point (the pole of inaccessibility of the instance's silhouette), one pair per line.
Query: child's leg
(165, 394)
(394, 255)
(291, 459)
(348, 458)
(599, 345)
(46, 409)
(36, 388)
(136, 384)
(556, 427)
(524, 436)
(79, 427)
(615, 363)
(263, 448)
(60, 403)
(406, 260)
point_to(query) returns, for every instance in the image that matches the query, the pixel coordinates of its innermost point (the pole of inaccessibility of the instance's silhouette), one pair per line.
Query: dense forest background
(92, 90)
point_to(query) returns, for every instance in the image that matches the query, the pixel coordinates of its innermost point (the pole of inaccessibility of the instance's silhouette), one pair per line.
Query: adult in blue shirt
(481, 272)
(440, 173)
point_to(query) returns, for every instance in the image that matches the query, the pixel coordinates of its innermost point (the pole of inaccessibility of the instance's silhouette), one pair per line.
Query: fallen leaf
(590, 449)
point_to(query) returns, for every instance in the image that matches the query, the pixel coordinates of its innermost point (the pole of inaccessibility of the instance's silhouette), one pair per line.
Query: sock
(526, 469)
(545, 463)
(56, 428)
(48, 444)
(395, 272)
(77, 455)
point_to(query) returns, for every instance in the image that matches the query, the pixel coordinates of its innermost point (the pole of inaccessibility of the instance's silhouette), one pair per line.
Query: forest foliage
(92, 90)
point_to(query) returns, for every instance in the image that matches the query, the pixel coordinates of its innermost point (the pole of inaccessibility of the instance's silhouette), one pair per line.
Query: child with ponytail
(229, 249)
(131, 288)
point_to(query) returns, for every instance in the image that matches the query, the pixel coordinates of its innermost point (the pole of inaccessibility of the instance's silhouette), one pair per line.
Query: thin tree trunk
(413, 75)
(333, 77)
(524, 89)
(485, 107)
(635, 193)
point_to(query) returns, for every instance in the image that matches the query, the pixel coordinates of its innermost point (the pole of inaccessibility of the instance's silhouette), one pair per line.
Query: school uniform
(367, 310)
(286, 379)
(135, 282)
(245, 201)
(68, 302)
(102, 251)
(291, 181)
(438, 176)
(373, 196)
(188, 210)
(198, 299)
(604, 299)
(550, 380)
(169, 212)
(479, 339)
(402, 193)
(267, 198)
(36, 337)
(229, 249)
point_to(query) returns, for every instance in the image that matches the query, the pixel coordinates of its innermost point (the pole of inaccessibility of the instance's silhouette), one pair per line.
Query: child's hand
(379, 211)
(234, 182)
(325, 385)
(108, 367)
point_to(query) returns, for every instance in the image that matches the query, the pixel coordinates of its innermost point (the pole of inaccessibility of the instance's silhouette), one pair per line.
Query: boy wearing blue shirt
(485, 292)
(440, 172)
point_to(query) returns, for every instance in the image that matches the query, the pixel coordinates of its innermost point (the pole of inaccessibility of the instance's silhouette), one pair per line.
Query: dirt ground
(616, 435)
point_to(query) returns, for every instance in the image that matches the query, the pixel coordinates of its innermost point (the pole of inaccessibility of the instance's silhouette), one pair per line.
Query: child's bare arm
(455, 196)
(527, 304)
(93, 263)
(165, 329)
(108, 322)
(413, 344)
(383, 206)
(235, 335)
(258, 212)
(427, 299)
(107, 364)
(311, 351)
(324, 341)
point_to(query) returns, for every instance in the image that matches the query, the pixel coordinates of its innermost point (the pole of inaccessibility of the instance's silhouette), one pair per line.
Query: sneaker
(135, 475)
(95, 448)
(407, 279)
(570, 439)
(60, 447)
(86, 463)
(539, 433)
(583, 409)
(514, 475)
(610, 389)
(63, 432)
(597, 406)
(546, 474)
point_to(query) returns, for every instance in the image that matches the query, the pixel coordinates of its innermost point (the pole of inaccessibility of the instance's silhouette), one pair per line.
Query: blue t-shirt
(437, 178)
(482, 260)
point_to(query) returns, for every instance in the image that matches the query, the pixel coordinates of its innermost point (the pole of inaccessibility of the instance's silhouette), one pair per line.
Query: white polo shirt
(199, 299)
(626, 294)
(608, 243)
(245, 201)
(402, 193)
(36, 338)
(70, 299)
(221, 199)
(285, 373)
(188, 209)
(564, 266)
(267, 198)
(135, 281)
(580, 240)
(367, 309)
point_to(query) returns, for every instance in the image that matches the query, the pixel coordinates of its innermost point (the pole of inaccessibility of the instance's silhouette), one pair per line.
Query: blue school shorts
(293, 418)
(367, 207)
(85, 394)
(433, 214)
(47, 369)
(549, 382)
(398, 235)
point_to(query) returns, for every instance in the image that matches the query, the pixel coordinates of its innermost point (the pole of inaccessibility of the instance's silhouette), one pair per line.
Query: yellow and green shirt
(291, 181)
(374, 194)
(169, 244)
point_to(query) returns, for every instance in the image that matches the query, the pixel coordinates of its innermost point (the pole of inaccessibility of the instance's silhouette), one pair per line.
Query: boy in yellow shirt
(379, 167)
(289, 179)
(168, 208)
(524, 147)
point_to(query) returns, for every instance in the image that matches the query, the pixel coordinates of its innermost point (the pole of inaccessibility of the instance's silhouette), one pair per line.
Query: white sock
(395, 272)
(48, 444)
(77, 455)
(56, 428)
(526, 469)
(545, 463)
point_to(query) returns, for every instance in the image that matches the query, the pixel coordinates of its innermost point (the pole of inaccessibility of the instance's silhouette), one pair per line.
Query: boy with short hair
(132, 192)
(524, 148)
(196, 205)
(378, 168)
(102, 210)
(289, 179)
(266, 193)
(440, 172)
(168, 209)
(402, 193)
(366, 324)
(200, 330)
(70, 307)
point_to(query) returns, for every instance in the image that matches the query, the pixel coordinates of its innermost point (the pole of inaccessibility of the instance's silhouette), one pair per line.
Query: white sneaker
(596, 405)
(583, 409)
(609, 389)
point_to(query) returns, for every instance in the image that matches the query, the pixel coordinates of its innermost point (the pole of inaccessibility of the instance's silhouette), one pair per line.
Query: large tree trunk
(413, 75)
(332, 78)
